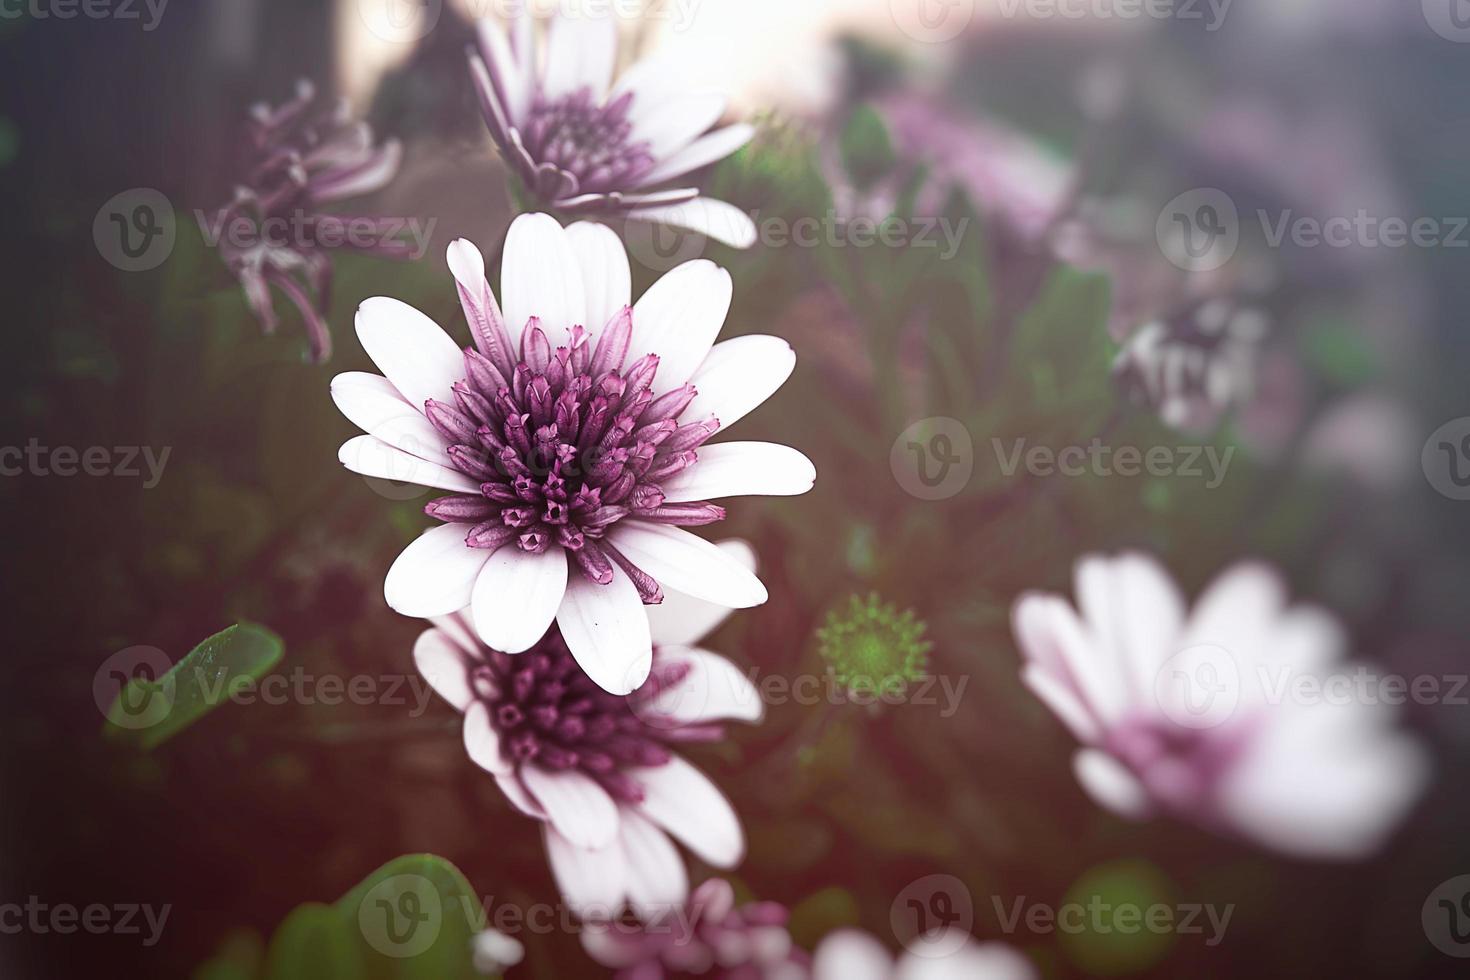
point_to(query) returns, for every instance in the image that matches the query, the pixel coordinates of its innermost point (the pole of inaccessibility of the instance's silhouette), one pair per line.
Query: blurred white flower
(573, 469)
(1198, 714)
(851, 954)
(596, 768)
(582, 144)
(495, 952)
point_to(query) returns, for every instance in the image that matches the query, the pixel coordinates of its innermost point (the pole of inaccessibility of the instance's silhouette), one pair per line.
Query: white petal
(605, 277)
(580, 51)
(671, 124)
(1062, 699)
(972, 961)
(705, 150)
(445, 665)
(591, 881)
(1324, 780)
(510, 785)
(850, 954)
(372, 404)
(606, 630)
(410, 349)
(1051, 634)
(370, 456)
(682, 620)
(689, 564)
(504, 65)
(579, 809)
(682, 800)
(738, 376)
(679, 318)
(539, 276)
(656, 880)
(434, 576)
(742, 469)
(716, 219)
(482, 741)
(1110, 784)
(713, 690)
(516, 596)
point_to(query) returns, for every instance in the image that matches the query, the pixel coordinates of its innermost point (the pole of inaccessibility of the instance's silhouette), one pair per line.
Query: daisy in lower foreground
(1202, 714)
(581, 144)
(597, 768)
(573, 449)
(851, 954)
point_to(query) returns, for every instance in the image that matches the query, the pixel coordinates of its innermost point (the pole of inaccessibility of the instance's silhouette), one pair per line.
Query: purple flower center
(590, 141)
(566, 446)
(1180, 767)
(547, 711)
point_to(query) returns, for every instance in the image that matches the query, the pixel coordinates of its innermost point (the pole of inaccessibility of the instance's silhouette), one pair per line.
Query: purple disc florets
(565, 444)
(589, 141)
(546, 710)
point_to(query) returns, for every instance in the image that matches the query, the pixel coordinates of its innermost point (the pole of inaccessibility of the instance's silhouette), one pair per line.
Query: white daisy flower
(598, 768)
(851, 954)
(582, 144)
(572, 469)
(1191, 713)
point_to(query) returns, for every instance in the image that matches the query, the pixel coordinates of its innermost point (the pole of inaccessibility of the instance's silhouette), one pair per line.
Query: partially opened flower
(573, 470)
(276, 232)
(1199, 714)
(710, 937)
(598, 768)
(851, 954)
(582, 144)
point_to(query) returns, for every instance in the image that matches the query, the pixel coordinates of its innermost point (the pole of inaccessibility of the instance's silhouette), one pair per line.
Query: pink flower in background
(573, 469)
(710, 937)
(582, 144)
(597, 768)
(850, 954)
(303, 159)
(1200, 713)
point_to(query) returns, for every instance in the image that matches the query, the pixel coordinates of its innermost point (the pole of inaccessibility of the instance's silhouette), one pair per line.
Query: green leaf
(867, 152)
(315, 943)
(412, 919)
(150, 711)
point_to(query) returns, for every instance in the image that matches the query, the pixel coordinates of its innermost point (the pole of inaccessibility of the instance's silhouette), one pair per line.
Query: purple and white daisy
(851, 954)
(1200, 714)
(275, 232)
(572, 469)
(710, 937)
(599, 769)
(581, 144)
